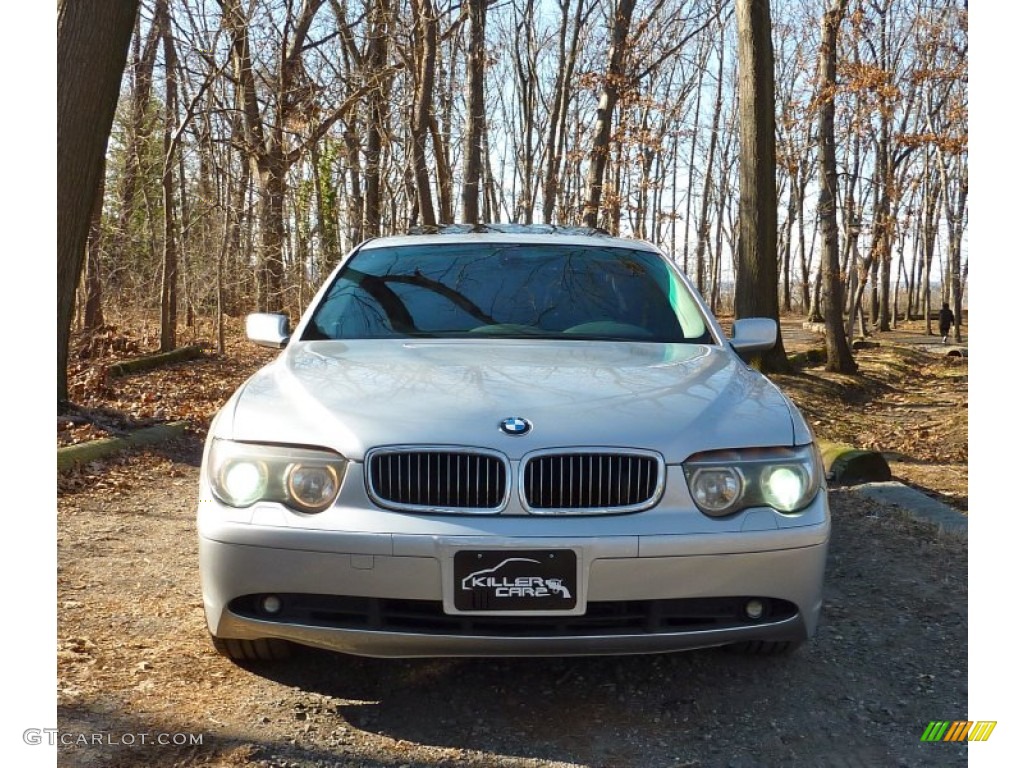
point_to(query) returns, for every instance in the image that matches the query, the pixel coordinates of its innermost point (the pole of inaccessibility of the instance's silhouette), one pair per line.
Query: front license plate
(515, 580)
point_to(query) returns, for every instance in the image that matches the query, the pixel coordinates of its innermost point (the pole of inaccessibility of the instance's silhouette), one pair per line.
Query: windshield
(512, 290)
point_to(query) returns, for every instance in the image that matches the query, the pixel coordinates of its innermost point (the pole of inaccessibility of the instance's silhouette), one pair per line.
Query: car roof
(508, 233)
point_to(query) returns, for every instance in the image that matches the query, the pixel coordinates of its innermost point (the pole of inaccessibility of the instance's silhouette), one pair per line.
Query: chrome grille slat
(437, 479)
(585, 481)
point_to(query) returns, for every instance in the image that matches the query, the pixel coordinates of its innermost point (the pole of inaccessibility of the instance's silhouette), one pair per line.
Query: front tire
(263, 649)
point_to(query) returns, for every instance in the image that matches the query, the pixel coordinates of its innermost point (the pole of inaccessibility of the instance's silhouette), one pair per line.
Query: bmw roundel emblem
(514, 425)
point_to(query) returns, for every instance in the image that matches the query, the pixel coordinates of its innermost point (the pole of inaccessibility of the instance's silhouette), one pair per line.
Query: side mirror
(753, 334)
(268, 329)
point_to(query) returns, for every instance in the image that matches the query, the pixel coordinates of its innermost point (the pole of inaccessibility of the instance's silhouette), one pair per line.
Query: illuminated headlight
(306, 479)
(243, 481)
(725, 482)
(784, 487)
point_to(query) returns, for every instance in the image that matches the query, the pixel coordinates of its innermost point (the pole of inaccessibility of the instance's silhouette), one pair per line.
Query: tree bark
(562, 94)
(613, 77)
(377, 128)
(92, 47)
(93, 282)
(840, 358)
(476, 60)
(757, 278)
(139, 124)
(703, 225)
(169, 273)
(425, 35)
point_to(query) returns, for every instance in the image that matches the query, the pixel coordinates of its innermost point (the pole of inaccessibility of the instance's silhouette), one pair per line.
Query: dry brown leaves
(191, 390)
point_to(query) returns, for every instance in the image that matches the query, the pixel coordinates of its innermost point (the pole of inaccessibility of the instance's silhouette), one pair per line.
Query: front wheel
(263, 649)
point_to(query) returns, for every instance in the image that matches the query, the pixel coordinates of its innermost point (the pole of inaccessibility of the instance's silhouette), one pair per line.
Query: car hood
(351, 396)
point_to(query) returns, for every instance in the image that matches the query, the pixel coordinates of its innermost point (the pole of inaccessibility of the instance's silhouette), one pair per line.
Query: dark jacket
(945, 318)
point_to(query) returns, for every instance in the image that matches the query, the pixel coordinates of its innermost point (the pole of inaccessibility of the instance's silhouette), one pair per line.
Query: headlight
(305, 479)
(312, 487)
(724, 482)
(716, 489)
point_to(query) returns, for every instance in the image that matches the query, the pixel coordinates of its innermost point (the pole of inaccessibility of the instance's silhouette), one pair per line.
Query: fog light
(271, 604)
(754, 609)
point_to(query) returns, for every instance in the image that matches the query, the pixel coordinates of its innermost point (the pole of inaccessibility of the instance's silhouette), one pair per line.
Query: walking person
(945, 320)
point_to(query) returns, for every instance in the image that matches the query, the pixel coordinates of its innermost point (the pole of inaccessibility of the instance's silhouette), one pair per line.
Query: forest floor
(134, 657)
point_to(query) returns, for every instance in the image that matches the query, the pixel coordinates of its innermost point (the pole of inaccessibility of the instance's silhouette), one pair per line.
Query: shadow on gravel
(120, 739)
(598, 711)
(186, 450)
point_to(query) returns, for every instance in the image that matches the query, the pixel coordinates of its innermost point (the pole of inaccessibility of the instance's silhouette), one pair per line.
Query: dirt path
(134, 659)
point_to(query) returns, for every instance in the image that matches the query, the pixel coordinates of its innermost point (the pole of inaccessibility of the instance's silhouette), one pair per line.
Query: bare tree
(476, 60)
(556, 139)
(331, 127)
(703, 222)
(757, 279)
(380, 25)
(93, 318)
(280, 127)
(840, 358)
(169, 276)
(622, 17)
(425, 36)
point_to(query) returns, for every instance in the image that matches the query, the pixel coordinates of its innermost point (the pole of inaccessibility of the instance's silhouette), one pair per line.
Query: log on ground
(137, 364)
(849, 466)
(107, 446)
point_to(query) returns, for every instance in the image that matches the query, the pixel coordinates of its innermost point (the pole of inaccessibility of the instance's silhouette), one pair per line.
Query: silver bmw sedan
(509, 442)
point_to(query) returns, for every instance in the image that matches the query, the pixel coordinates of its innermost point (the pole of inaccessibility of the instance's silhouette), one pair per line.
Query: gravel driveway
(135, 661)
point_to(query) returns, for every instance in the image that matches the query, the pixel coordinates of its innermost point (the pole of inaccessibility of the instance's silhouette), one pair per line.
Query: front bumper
(242, 559)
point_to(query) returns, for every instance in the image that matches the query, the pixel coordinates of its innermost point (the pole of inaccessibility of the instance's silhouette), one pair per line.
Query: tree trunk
(703, 225)
(562, 93)
(92, 47)
(356, 204)
(931, 224)
(232, 301)
(169, 274)
(698, 115)
(840, 358)
(377, 127)
(326, 211)
(476, 60)
(787, 248)
(270, 210)
(426, 39)
(805, 259)
(93, 282)
(757, 278)
(142, 87)
(954, 196)
(613, 77)
(881, 245)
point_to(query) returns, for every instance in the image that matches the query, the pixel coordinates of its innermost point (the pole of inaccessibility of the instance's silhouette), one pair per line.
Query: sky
(997, 534)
